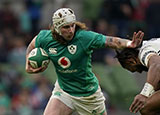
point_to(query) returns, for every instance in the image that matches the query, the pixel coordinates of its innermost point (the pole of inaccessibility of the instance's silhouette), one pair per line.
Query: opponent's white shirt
(149, 47)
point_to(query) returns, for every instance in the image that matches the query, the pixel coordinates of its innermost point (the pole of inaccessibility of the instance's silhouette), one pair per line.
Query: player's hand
(138, 103)
(136, 39)
(30, 69)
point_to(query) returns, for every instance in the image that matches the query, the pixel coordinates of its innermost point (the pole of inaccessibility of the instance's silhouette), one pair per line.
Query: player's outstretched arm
(28, 67)
(119, 43)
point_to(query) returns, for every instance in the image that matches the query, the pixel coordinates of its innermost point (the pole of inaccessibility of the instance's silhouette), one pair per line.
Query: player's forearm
(116, 42)
(30, 46)
(152, 80)
(153, 76)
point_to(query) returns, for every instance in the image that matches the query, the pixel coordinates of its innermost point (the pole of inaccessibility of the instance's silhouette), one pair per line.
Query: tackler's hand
(136, 39)
(138, 103)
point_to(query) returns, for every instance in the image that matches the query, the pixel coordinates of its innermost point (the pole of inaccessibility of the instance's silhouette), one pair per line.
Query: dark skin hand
(138, 103)
(152, 78)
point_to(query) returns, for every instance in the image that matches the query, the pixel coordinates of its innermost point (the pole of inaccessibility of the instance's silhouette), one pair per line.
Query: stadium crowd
(21, 95)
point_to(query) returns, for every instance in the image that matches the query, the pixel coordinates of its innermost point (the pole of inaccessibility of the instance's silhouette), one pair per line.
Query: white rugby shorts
(90, 105)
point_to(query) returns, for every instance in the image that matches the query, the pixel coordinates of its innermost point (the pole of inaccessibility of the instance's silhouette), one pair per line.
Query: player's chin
(69, 38)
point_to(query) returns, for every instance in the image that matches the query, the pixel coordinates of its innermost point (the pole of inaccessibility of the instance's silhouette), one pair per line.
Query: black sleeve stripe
(146, 53)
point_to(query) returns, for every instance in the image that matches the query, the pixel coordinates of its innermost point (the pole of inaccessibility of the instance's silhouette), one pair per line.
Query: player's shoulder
(152, 40)
(45, 33)
(149, 47)
(43, 37)
(80, 32)
(85, 34)
(151, 43)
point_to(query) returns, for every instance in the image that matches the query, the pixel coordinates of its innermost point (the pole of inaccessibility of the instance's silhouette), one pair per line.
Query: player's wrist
(147, 90)
(129, 43)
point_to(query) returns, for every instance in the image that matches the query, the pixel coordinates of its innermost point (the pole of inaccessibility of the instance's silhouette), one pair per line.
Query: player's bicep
(91, 40)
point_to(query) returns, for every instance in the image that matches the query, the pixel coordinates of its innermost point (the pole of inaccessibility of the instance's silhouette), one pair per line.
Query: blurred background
(20, 21)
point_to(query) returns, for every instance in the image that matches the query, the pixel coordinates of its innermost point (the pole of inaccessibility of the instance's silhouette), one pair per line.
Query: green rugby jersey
(73, 61)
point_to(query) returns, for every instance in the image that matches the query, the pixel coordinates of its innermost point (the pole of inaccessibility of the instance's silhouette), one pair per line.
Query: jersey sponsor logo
(68, 71)
(72, 49)
(64, 62)
(53, 50)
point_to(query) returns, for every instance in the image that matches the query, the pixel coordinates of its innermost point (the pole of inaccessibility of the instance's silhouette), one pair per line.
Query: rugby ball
(38, 58)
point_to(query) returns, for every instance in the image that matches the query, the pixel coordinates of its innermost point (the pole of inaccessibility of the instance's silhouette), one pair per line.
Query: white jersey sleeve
(148, 48)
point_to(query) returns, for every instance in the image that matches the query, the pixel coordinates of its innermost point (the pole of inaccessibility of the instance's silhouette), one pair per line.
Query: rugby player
(144, 58)
(69, 45)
